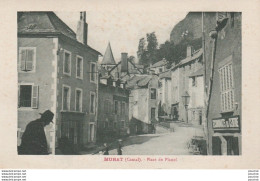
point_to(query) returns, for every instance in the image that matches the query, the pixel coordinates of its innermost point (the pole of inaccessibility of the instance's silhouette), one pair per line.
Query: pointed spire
(108, 58)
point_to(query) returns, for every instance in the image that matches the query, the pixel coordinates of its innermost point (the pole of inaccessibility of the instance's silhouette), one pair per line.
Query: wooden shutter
(35, 96)
(18, 95)
(29, 60)
(22, 60)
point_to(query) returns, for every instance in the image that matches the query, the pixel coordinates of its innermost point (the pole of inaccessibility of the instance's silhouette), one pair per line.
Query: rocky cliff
(190, 26)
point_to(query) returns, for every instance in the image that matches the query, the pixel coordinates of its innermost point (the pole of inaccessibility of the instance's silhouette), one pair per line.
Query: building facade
(180, 83)
(57, 71)
(223, 57)
(113, 118)
(196, 107)
(143, 103)
(164, 93)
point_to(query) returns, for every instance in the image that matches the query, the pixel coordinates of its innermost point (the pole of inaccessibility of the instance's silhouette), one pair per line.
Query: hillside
(191, 24)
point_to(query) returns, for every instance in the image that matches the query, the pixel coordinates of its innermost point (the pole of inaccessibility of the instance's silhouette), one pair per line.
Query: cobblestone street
(173, 143)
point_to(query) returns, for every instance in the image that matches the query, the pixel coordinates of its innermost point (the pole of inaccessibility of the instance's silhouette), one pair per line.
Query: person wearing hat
(34, 140)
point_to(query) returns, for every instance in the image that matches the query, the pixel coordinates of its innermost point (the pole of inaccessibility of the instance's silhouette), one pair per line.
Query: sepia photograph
(121, 83)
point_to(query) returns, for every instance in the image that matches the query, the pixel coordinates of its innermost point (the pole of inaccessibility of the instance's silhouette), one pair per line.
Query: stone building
(143, 103)
(180, 83)
(113, 102)
(158, 67)
(57, 71)
(196, 107)
(164, 95)
(223, 54)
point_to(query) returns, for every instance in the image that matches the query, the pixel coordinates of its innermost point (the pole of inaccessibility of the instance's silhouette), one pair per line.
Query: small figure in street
(34, 140)
(119, 148)
(106, 149)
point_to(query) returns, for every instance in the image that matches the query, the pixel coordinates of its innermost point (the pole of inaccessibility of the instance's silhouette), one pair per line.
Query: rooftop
(45, 23)
(197, 73)
(159, 64)
(139, 81)
(166, 74)
(108, 58)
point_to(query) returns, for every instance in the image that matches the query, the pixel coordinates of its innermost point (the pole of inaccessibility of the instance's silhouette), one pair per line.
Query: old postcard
(142, 84)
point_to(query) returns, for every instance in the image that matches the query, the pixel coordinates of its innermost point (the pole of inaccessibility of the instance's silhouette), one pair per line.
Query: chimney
(189, 51)
(82, 29)
(124, 62)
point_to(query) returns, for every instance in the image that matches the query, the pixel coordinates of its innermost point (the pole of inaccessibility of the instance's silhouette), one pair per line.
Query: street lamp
(186, 100)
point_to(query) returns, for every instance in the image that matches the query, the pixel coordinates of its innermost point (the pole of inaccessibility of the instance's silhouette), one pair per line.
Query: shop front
(226, 139)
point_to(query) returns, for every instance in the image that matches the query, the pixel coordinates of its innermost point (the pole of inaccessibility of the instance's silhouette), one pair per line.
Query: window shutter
(18, 95)
(22, 60)
(119, 108)
(35, 96)
(68, 100)
(29, 60)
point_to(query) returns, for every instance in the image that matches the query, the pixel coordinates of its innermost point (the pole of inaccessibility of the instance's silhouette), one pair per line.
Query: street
(171, 143)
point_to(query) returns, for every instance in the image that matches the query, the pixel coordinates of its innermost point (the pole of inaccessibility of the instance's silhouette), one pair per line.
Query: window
(66, 98)
(123, 109)
(28, 96)
(91, 132)
(116, 107)
(152, 113)
(194, 82)
(105, 124)
(122, 124)
(67, 63)
(92, 102)
(27, 57)
(93, 72)
(153, 93)
(226, 88)
(160, 70)
(79, 67)
(115, 125)
(106, 106)
(78, 100)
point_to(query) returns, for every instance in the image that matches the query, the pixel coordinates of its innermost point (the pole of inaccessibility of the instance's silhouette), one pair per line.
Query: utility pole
(205, 127)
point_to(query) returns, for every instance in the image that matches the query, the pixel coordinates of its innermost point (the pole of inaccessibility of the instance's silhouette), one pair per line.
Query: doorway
(232, 145)
(92, 132)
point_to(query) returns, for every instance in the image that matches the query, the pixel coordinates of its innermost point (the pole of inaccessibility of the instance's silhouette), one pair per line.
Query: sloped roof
(194, 56)
(139, 66)
(43, 22)
(166, 74)
(159, 64)
(108, 58)
(197, 73)
(139, 81)
(134, 70)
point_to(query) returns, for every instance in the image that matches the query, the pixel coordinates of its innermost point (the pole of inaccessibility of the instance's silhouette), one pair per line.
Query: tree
(131, 58)
(166, 51)
(152, 47)
(141, 53)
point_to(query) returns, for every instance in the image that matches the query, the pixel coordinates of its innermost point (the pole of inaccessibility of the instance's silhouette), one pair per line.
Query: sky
(124, 27)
